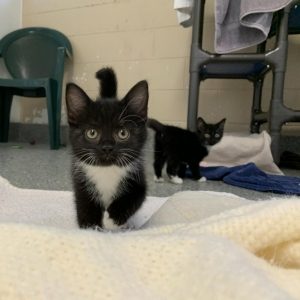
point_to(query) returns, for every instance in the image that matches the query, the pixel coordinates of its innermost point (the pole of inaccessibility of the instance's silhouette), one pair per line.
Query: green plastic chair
(35, 58)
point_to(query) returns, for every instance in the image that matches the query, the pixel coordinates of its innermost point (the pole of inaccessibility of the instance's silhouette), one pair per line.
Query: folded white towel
(237, 149)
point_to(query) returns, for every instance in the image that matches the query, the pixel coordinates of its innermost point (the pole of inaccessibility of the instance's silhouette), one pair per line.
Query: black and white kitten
(107, 137)
(180, 148)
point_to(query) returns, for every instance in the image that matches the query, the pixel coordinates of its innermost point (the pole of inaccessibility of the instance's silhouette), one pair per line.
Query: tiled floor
(37, 167)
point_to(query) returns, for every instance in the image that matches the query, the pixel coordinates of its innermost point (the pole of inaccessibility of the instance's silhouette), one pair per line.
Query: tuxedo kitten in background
(180, 148)
(107, 137)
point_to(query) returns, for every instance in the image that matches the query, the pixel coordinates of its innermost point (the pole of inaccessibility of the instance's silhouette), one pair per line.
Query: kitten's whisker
(87, 158)
(84, 157)
(123, 111)
(127, 121)
(123, 162)
(129, 156)
(136, 116)
(128, 149)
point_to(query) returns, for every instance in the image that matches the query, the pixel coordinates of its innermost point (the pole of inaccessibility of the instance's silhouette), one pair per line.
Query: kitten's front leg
(195, 169)
(172, 171)
(109, 224)
(122, 208)
(182, 170)
(89, 212)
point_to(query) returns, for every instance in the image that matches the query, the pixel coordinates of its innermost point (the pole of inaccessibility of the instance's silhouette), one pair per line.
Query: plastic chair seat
(25, 83)
(232, 70)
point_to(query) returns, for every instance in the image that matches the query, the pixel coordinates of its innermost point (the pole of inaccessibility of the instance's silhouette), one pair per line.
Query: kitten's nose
(107, 148)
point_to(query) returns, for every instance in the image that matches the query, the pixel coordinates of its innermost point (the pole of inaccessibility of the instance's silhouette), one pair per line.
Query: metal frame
(274, 59)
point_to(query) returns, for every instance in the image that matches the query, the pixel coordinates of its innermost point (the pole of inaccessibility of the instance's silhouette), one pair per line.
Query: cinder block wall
(141, 39)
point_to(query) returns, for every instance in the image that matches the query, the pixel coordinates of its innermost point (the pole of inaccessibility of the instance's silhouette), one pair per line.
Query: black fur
(108, 83)
(180, 148)
(109, 118)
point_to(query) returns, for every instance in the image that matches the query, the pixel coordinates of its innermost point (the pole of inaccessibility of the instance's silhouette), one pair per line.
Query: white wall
(10, 19)
(10, 15)
(141, 39)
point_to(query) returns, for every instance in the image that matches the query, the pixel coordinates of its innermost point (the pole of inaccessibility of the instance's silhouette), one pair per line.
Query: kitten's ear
(77, 101)
(137, 99)
(200, 123)
(221, 124)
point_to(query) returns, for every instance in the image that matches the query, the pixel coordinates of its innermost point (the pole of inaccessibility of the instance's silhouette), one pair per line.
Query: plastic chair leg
(5, 107)
(51, 119)
(57, 91)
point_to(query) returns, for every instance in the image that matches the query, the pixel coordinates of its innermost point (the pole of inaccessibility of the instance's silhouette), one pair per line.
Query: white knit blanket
(247, 251)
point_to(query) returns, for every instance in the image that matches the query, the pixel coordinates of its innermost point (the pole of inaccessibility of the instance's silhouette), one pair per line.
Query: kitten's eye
(207, 135)
(123, 134)
(217, 135)
(91, 134)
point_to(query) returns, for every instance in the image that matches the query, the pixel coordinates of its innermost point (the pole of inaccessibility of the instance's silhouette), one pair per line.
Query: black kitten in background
(107, 137)
(181, 148)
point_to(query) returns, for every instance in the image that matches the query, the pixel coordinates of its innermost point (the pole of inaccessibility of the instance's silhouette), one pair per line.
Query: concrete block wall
(141, 39)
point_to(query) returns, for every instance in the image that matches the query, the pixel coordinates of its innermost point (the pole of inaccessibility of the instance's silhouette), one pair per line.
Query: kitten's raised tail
(155, 125)
(108, 82)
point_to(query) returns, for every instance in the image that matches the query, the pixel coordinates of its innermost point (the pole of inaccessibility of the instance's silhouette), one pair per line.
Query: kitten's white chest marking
(106, 180)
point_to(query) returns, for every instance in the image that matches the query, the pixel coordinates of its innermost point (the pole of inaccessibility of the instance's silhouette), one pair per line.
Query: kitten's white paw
(176, 179)
(158, 179)
(109, 223)
(202, 179)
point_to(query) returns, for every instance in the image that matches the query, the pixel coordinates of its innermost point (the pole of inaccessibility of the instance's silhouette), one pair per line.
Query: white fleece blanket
(236, 250)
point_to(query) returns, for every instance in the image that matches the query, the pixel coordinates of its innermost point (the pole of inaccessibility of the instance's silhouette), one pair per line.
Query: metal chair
(35, 58)
(250, 66)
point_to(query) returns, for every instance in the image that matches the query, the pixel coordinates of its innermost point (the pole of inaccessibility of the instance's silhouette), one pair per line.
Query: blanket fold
(24, 206)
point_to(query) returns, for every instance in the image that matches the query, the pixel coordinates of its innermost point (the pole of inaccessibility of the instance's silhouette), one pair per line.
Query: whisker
(123, 111)
(129, 116)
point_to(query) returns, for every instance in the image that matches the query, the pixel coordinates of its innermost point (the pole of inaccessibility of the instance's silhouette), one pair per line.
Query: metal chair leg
(193, 100)
(256, 106)
(277, 113)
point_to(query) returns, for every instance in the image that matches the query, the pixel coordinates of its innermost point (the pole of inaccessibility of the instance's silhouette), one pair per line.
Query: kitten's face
(107, 132)
(210, 134)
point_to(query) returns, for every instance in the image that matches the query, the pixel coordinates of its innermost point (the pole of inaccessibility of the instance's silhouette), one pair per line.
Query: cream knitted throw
(250, 252)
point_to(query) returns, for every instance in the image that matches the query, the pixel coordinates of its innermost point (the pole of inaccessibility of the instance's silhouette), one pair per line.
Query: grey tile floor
(37, 167)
